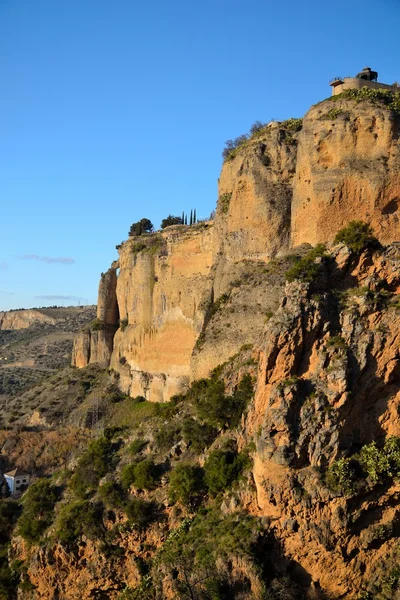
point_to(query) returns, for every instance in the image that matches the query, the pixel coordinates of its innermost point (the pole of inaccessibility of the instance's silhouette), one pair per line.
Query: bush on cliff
(199, 555)
(186, 484)
(79, 518)
(357, 235)
(231, 146)
(140, 513)
(140, 227)
(111, 494)
(92, 466)
(9, 511)
(142, 475)
(341, 476)
(171, 220)
(37, 513)
(217, 409)
(381, 463)
(198, 436)
(222, 468)
(388, 98)
(308, 267)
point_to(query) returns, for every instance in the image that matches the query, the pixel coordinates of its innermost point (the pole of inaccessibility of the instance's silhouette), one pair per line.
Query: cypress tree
(5, 489)
(185, 219)
(194, 216)
(191, 217)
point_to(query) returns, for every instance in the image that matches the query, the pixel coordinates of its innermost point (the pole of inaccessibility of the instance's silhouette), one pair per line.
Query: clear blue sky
(111, 111)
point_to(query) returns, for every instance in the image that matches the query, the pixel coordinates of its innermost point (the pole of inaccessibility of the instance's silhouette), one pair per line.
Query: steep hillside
(229, 428)
(288, 185)
(35, 343)
(289, 454)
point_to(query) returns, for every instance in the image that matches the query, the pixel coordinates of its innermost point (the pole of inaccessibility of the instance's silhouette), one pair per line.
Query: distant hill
(36, 342)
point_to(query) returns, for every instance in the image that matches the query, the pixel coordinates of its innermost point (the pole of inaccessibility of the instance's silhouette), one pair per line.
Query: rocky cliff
(289, 184)
(317, 495)
(347, 166)
(274, 472)
(22, 319)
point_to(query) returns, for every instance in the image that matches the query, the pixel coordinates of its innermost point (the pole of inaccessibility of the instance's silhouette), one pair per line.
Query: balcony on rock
(365, 78)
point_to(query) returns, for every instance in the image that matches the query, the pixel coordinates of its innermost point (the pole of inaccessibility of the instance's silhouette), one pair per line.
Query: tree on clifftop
(142, 226)
(171, 220)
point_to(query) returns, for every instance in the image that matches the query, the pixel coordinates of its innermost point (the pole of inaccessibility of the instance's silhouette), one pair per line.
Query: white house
(17, 481)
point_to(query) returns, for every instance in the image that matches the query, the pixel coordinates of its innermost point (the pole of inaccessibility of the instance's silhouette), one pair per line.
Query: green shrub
(111, 494)
(92, 466)
(137, 446)
(223, 202)
(9, 577)
(288, 382)
(257, 128)
(307, 268)
(381, 463)
(332, 114)
(167, 436)
(37, 512)
(337, 341)
(96, 325)
(233, 146)
(79, 518)
(138, 247)
(293, 125)
(193, 553)
(214, 407)
(198, 436)
(378, 533)
(357, 235)
(375, 96)
(140, 513)
(142, 475)
(222, 468)
(340, 476)
(186, 484)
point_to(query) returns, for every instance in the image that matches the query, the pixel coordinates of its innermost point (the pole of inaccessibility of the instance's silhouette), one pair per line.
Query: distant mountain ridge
(35, 342)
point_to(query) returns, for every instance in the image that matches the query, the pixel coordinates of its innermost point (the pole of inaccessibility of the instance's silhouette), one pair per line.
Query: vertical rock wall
(281, 189)
(163, 291)
(348, 167)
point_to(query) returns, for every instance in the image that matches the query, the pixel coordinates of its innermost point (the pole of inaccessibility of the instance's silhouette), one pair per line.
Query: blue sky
(112, 111)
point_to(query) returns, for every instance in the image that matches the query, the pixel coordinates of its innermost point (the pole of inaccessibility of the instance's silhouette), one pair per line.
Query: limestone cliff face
(94, 345)
(348, 167)
(22, 319)
(329, 383)
(253, 211)
(282, 188)
(162, 291)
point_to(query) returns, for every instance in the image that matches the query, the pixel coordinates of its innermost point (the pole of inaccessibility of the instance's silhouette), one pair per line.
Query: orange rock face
(283, 188)
(328, 383)
(348, 167)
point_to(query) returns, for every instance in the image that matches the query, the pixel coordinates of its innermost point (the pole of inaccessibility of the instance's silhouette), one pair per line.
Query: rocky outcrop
(94, 345)
(107, 304)
(348, 166)
(163, 290)
(253, 211)
(284, 187)
(328, 384)
(22, 319)
(327, 367)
